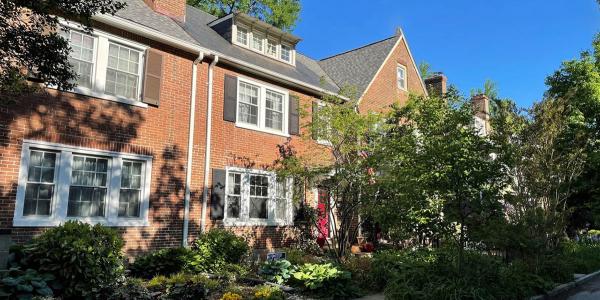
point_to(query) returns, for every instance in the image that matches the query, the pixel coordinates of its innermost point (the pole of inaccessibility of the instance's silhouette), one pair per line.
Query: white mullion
(289, 208)
(20, 204)
(63, 186)
(245, 196)
(102, 62)
(272, 198)
(145, 201)
(114, 189)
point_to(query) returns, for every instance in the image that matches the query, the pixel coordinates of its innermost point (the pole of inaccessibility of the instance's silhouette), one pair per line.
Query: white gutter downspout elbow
(208, 139)
(188, 169)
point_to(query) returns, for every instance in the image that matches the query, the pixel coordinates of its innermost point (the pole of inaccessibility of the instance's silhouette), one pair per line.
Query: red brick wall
(172, 8)
(384, 90)
(161, 132)
(240, 147)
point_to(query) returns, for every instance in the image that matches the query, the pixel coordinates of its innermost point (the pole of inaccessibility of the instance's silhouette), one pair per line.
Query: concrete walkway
(372, 297)
(587, 291)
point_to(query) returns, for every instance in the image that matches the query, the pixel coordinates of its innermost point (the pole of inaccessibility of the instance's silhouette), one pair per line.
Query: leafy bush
(131, 289)
(298, 257)
(183, 286)
(278, 271)
(162, 262)
(267, 292)
(361, 268)
(82, 257)
(216, 249)
(26, 284)
(326, 280)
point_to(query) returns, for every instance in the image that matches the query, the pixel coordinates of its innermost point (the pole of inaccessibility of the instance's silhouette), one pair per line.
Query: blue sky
(514, 43)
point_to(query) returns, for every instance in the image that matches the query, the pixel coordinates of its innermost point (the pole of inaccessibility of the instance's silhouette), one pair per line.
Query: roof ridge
(358, 48)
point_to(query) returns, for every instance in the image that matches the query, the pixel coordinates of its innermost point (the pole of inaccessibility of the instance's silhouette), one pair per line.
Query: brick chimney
(175, 9)
(436, 84)
(481, 109)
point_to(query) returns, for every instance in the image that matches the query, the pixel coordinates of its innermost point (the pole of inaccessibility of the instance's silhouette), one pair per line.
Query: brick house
(175, 120)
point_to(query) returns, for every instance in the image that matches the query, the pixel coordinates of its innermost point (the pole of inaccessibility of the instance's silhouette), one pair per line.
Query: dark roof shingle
(358, 67)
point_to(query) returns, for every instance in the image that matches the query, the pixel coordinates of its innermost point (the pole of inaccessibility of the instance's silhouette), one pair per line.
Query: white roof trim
(156, 35)
(385, 61)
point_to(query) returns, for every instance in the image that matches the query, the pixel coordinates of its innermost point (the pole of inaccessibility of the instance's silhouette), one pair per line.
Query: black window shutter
(217, 197)
(230, 105)
(294, 115)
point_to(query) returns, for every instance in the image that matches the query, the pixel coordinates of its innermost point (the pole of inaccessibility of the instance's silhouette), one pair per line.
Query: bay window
(255, 197)
(59, 183)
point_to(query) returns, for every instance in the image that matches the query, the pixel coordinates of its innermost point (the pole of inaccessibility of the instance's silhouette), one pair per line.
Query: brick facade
(384, 90)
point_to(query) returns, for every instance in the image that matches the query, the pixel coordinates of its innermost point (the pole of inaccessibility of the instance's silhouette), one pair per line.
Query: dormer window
(242, 36)
(257, 41)
(258, 36)
(271, 48)
(286, 53)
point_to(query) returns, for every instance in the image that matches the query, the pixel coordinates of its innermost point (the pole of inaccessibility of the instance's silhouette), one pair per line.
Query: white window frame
(244, 219)
(262, 88)
(60, 199)
(265, 38)
(403, 68)
(319, 140)
(102, 41)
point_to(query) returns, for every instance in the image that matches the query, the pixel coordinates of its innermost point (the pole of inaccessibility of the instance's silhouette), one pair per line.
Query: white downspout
(188, 173)
(208, 139)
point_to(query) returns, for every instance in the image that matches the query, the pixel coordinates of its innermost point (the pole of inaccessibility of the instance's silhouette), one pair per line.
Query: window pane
(39, 189)
(88, 189)
(81, 57)
(271, 48)
(257, 41)
(122, 74)
(233, 206)
(286, 53)
(131, 189)
(248, 106)
(258, 208)
(242, 36)
(274, 110)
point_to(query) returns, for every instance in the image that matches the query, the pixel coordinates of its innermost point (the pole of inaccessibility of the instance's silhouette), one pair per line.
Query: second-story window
(107, 66)
(261, 107)
(122, 74)
(401, 77)
(257, 41)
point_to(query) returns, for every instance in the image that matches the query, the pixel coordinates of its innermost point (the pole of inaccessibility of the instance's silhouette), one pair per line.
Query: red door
(323, 214)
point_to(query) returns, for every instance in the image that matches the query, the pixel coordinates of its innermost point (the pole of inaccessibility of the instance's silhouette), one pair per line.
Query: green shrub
(162, 262)
(83, 258)
(298, 257)
(27, 284)
(278, 271)
(216, 249)
(361, 268)
(183, 286)
(131, 289)
(325, 280)
(268, 292)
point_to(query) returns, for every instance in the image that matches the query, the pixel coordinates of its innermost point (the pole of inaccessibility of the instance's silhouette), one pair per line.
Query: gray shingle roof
(137, 11)
(357, 67)
(306, 70)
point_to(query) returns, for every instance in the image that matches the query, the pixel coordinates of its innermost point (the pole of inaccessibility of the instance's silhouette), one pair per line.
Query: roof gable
(359, 66)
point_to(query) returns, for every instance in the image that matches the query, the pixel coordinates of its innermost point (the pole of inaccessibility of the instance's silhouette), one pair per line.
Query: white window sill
(254, 222)
(265, 130)
(324, 143)
(51, 222)
(90, 93)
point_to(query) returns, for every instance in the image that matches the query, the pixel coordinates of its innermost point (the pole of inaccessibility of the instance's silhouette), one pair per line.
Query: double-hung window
(401, 77)
(286, 53)
(256, 197)
(271, 48)
(261, 107)
(107, 66)
(59, 182)
(257, 41)
(242, 35)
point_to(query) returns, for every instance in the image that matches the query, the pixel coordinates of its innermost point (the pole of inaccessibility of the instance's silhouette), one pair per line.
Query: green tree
(575, 88)
(438, 179)
(30, 45)
(343, 170)
(279, 13)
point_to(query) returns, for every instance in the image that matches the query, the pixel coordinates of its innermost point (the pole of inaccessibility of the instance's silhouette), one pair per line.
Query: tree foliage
(30, 45)
(279, 13)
